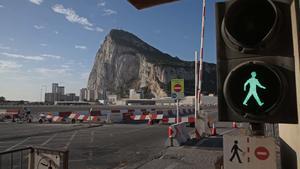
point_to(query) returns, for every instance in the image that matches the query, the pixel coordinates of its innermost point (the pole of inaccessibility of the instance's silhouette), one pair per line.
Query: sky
(46, 41)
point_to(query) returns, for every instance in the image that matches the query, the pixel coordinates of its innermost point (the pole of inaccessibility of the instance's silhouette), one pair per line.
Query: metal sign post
(177, 107)
(177, 92)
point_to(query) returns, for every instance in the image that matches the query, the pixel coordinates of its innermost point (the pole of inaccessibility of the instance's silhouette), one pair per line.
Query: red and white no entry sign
(262, 153)
(177, 88)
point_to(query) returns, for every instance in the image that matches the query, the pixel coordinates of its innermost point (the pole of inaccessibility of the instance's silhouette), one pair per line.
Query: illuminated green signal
(253, 82)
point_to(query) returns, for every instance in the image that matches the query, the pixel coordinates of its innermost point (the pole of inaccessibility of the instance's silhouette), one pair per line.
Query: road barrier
(172, 120)
(178, 134)
(166, 116)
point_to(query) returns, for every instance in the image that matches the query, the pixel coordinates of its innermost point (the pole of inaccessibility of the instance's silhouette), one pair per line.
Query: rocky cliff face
(125, 62)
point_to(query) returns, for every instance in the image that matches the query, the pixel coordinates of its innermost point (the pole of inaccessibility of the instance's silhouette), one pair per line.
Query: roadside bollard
(170, 134)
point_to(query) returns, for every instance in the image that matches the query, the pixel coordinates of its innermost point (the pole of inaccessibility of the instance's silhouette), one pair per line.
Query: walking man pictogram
(253, 82)
(235, 149)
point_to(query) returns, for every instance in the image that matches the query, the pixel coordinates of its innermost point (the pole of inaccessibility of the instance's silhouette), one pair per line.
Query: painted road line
(16, 145)
(71, 139)
(48, 140)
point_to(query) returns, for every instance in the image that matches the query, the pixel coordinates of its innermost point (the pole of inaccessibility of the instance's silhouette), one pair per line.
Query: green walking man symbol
(253, 82)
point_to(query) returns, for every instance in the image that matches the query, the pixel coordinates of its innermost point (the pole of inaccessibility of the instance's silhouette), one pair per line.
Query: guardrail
(34, 158)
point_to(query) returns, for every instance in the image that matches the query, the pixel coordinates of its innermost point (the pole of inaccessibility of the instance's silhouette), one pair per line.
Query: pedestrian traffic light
(255, 63)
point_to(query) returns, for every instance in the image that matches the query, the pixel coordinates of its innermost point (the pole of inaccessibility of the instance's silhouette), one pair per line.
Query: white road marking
(47, 141)
(71, 139)
(16, 145)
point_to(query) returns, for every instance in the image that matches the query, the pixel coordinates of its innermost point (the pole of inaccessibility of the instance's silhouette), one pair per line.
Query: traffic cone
(213, 130)
(170, 132)
(170, 135)
(234, 125)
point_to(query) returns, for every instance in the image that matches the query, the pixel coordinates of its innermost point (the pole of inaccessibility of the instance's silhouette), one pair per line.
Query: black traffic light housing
(255, 63)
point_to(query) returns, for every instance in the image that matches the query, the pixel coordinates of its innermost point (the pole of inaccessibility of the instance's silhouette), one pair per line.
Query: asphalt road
(108, 146)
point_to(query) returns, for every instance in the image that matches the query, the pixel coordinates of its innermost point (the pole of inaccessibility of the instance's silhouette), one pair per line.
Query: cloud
(38, 27)
(65, 66)
(43, 44)
(18, 56)
(37, 2)
(98, 29)
(4, 47)
(35, 58)
(89, 28)
(8, 66)
(52, 72)
(56, 32)
(1, 6)
(52, 56)
(101, 3)
(80, 47)
(108, 12)
(71, 15)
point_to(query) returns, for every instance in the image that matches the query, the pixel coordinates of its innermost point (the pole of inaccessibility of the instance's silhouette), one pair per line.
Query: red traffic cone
(213, 130)
(170, 132)
(234, 125)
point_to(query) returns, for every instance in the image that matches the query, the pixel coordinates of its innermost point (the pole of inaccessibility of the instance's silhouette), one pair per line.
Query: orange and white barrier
(171, 120)
(119, 115)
